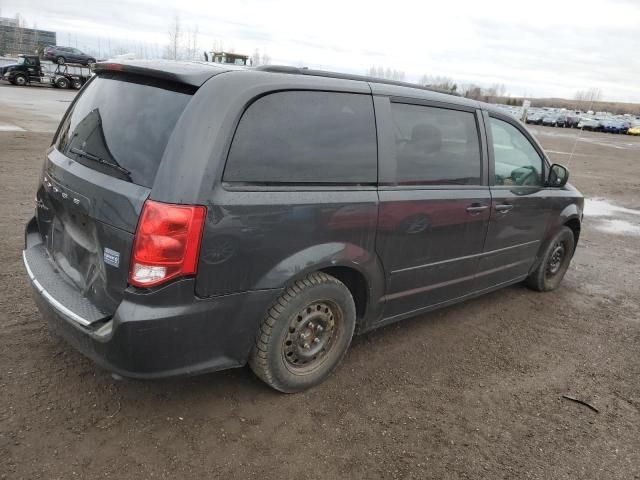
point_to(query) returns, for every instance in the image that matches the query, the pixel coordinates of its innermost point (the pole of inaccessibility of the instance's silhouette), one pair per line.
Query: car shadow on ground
(242, 384)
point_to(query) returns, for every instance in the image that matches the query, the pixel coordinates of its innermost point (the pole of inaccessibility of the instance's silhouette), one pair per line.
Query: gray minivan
(196, 217)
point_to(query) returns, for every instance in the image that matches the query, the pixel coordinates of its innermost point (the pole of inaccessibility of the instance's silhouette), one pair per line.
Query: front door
(33, 69)
(519, 210)
(434, 202)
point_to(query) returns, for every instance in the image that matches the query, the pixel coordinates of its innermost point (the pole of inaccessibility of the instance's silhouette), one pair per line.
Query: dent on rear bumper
(168, 332)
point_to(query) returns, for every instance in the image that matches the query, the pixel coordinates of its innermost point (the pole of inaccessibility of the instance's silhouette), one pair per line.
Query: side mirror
(558, 176)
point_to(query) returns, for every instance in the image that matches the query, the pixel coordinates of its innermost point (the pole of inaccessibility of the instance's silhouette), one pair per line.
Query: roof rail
(347, 76)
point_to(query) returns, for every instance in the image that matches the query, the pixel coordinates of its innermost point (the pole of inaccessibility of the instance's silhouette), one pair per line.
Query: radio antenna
(575, 143)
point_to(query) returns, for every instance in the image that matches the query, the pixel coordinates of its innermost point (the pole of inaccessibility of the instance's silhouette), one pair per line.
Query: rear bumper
(163, 333)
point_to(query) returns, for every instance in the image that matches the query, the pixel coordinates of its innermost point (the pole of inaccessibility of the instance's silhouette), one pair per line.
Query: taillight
(167, 243)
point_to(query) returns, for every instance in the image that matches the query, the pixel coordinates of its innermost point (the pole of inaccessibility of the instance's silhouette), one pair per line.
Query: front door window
(516, 161)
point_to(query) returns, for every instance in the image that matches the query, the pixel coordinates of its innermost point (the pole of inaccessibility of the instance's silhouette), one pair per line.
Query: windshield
(121, 125)
(20, 61)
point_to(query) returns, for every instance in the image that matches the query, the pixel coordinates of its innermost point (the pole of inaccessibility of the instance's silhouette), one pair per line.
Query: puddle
(612, 218)
(599, 207)
(10, 128)
(621, 227)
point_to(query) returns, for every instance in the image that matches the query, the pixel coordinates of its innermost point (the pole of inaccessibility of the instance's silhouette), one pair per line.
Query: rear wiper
(95, 158)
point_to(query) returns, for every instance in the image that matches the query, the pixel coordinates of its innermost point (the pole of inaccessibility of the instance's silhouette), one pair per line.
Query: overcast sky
(537, 48)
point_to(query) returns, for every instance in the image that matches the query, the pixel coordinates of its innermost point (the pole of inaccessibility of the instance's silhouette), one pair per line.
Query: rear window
(436, 146)
(121, 124)
(305, 137)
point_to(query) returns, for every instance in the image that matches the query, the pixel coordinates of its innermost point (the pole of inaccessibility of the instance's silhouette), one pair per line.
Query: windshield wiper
(95, 158)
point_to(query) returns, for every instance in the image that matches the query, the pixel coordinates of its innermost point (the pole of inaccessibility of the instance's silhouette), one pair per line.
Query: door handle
(474, 209)
(504, 207)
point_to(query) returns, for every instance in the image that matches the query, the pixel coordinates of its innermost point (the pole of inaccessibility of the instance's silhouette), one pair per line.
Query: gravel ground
(471, 391)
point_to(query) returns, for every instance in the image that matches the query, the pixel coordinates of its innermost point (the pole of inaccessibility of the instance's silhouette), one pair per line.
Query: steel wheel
(311, 336)
(20, 81)
(305, 333)
(554, 262)
(555, 259)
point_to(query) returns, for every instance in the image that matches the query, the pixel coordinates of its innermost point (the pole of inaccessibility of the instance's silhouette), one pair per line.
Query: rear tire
(305, 334)
(62, 82)
(554, 263)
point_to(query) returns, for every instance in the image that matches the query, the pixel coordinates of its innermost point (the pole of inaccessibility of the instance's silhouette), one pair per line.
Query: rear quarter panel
(263, 237)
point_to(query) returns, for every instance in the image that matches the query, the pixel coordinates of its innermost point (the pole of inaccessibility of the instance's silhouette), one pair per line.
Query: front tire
(60, 60)
(305, 334)
(555, 262)
(20, 80)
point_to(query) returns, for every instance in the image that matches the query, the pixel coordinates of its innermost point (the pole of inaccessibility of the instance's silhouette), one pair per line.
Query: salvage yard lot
(471, 391)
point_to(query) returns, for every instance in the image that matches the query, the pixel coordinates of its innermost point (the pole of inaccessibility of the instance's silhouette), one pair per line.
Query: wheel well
(574, 225)
(356, 283)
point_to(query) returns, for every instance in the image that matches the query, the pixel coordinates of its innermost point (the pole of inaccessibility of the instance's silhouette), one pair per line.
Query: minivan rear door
(434, 201)
(97, 176)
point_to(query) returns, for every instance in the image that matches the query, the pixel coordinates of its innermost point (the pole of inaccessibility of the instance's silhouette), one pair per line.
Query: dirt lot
(472, 391)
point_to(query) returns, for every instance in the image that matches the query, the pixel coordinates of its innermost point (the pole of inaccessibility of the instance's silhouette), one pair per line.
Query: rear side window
(305, 137)
(120, 126)
(435, 146)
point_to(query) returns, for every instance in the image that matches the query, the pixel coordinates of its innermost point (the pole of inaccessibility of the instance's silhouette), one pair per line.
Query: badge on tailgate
(111, 257)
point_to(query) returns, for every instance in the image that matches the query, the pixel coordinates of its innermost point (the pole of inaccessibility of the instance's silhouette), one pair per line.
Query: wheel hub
(556, 258)
(310, 335)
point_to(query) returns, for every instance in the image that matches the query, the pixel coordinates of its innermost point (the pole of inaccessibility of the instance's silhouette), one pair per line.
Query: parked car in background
(535, 118)
(554, 120)
(634, 130)
(62, 55)
(325, 184)
(615, 126)
(626, 125)
(590, 124)
(572, 120)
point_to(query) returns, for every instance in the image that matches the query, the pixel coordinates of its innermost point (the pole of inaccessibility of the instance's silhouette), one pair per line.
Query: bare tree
(192, 43)
(18, 33)
(589, 96)
(471, 91)
(498, 89)
(257, 59)
(386, 73)
(218, 45)
(175, 37)
(441, 83)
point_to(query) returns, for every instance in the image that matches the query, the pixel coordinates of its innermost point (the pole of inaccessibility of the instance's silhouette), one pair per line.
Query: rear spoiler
(187, 73)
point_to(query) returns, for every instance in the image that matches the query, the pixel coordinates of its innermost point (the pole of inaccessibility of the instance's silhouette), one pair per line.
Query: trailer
(29, 70)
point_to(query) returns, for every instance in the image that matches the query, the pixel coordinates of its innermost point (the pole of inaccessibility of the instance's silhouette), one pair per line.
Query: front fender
(570, 211)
